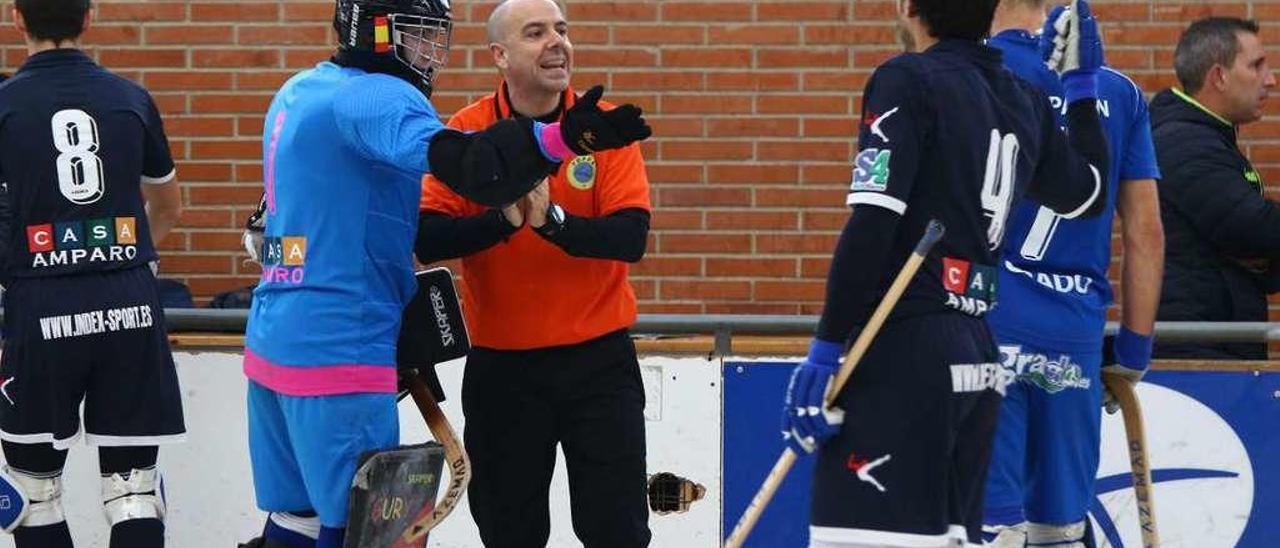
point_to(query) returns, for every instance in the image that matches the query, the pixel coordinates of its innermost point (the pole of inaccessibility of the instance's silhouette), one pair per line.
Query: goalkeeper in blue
(345, 147)
(1053, 280)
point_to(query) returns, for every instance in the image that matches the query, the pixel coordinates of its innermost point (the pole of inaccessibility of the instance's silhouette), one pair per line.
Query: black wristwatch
(555, 221)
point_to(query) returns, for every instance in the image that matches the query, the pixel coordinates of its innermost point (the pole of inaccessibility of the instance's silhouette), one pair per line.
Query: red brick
(667, 266)
(706, 150)
(236, 11)
(703, 12)
(320, 12)
(187, 80)
(802, 11)
(675, 219)
(704, 290)
(209, 150)
(230, 103)
(207, 218)
(706, 57)
(125, 35)
(790, 291)
(681, 242)
(198, 126)
(753, 127)
(754, 35)
(189, 34)
(137, 12)
(659, 35)
(751, 267)
(293, 34)
(235, 58)
(703, 196)
(612, 12)
(753, 220)
(150, 57)
(791, 244)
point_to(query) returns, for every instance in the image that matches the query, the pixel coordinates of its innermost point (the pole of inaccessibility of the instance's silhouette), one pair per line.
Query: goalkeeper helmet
(407, 35)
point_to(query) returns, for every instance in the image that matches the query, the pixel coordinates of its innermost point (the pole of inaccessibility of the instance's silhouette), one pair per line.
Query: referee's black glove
(587, 129)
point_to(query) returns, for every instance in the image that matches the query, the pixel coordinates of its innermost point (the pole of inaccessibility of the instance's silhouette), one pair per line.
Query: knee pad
(36, 498)
(1070, 535)
(138, 496)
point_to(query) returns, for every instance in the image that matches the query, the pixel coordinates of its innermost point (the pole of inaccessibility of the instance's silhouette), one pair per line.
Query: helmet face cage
(422, 43)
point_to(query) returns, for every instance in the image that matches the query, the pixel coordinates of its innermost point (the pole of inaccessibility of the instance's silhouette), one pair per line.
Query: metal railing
(725, 326)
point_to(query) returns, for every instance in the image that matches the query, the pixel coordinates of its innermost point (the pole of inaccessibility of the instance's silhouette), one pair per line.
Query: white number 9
(75, 135)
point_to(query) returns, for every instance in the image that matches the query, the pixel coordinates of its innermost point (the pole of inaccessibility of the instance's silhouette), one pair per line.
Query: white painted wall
(210, 491)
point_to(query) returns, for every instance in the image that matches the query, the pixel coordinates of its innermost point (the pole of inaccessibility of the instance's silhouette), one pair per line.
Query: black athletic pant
(587, 397)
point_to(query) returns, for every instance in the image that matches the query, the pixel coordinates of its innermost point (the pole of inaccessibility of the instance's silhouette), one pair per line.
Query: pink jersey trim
(324, 380)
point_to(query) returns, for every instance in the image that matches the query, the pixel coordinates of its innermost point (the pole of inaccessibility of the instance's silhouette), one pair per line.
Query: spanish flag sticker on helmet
(381, 35)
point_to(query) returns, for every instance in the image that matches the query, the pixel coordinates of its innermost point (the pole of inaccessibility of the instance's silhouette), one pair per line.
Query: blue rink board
(753, 394)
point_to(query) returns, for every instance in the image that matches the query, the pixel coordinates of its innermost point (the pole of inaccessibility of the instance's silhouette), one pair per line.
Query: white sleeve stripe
(877, 199)
(160, 180)
(1097, 189)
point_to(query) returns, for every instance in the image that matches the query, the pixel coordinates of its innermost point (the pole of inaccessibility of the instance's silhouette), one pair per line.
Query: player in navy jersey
(91, 189)
(946, 134)
(1054, 286)
(345, 146)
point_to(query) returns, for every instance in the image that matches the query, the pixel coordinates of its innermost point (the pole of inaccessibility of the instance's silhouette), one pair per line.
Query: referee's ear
(88, 18)
(18, 22)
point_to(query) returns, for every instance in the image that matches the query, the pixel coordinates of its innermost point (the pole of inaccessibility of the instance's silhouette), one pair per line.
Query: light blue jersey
(344, 153)
(1053, 277)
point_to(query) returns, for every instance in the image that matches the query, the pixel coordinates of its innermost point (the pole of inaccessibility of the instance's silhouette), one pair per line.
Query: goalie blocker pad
(391, 490)
(432, 330)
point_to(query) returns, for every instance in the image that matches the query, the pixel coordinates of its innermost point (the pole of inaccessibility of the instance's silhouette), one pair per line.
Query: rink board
(1214, 450)
(1213, 436)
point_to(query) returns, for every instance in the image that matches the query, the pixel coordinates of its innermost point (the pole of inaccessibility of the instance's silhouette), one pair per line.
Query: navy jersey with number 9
(950, 134)
(76, 142)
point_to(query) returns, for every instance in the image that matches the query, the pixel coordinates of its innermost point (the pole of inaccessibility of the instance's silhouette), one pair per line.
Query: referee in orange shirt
(548, 305)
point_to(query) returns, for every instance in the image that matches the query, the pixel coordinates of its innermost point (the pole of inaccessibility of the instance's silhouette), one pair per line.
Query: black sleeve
(494, 167)
(621, 236)
(443, 237)
(856, 270)
(1072, 174)
(1224, 207)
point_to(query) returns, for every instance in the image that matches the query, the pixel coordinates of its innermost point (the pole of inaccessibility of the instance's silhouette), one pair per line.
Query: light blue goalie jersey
(1053, 276)
(344, 152)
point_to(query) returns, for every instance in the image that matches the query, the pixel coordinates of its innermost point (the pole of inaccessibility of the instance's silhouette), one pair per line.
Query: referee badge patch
(582, 172)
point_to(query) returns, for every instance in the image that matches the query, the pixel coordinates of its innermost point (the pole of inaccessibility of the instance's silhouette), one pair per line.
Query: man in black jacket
(1222, 234)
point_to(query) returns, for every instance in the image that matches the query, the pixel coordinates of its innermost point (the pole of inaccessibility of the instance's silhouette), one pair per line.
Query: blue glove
(805, 422)
(1049, 36)
(1133, 358)
(1077, 50)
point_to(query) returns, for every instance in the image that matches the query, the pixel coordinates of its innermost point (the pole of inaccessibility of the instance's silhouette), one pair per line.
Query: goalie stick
(432, 332)
(932, 234)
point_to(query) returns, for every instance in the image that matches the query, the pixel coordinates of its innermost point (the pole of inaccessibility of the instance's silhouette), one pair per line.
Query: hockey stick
(454, 454)
(932, 234)
(1135, 431)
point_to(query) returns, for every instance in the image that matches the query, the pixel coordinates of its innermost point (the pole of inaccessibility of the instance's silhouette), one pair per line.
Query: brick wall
(754, 106)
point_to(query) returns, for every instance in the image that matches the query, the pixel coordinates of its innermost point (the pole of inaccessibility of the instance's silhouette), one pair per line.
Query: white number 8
(75, 135)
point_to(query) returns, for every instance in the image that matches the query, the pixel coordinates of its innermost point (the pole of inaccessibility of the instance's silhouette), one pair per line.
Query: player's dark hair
(1208, 42)
(54, 20)
(957, 19)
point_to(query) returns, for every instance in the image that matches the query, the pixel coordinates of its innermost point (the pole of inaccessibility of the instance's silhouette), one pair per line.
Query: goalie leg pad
(137, 495)
(29, 500)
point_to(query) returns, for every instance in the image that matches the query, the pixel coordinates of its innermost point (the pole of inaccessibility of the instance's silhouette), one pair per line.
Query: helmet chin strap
(384, 63)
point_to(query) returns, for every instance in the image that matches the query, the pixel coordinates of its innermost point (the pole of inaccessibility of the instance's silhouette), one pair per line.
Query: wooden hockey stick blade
(1139, 461)
(932, 234)
(454, 453)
